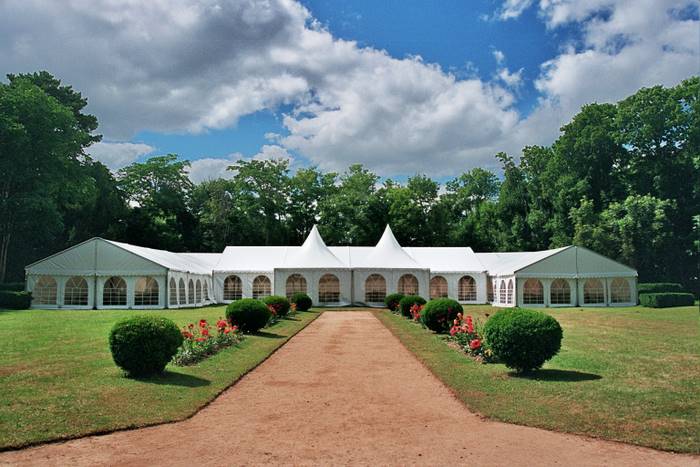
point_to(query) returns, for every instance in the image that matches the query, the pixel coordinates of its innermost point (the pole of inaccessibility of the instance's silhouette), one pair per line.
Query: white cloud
(624, 45)
(513, 8)
(210, 168)
(272, 152)
(118, 155)
(195, 65)
(499, 56)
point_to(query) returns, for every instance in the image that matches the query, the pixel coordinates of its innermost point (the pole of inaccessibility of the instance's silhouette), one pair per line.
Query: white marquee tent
(100, 273)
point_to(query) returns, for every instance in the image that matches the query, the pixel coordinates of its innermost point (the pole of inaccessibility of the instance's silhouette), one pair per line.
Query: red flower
(205, 331)
(202, 323)
(221, 324)
(475, 344)
(201, 339)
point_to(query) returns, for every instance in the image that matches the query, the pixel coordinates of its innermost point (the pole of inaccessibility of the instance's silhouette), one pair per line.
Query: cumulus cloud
(118, 155)
(195, 65)
(210, 168)
(623, 46)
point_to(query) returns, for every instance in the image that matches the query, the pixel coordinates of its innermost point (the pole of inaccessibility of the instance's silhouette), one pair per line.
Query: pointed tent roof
(313, 253)
(389, 254)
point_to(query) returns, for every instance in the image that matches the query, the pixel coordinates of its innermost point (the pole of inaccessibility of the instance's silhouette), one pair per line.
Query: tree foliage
(621, 179)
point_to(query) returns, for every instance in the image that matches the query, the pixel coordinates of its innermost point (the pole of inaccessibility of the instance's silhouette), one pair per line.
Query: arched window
(489, 290)
(533, 292)
(438, 287)
(295, 283)
(182, 292)
(190, 292)
(198, 292)
(408, 284)
(620, 291)
(233, 288)
(328, 289)
(510, 291)
(205, 286)
(593, 291)
(146, 292)
(114, 293)
(560, 292)
(45, 291)
(76, 292)
(502, 292)
(466, 289)
(262, 287)
(375, 289)
(172, 292)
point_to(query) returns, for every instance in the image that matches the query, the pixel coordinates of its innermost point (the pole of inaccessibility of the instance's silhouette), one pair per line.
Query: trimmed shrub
(439, 314)
(407, 302)
(249, 314)
(392, 301)
(659, 287)
(302, 301)
(143, 345)
(523, 339)
(15, 300)
(279, 303)
(666, 300)
(13, 286)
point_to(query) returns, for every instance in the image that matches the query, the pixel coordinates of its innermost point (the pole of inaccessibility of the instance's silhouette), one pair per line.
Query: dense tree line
(622, 179)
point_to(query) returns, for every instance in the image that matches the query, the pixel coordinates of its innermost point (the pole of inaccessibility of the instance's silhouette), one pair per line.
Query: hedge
(659, 287)
(666, 300)
(249, 314)
(392, 301)
(302, 301)
(407, 302)
(12, 286)
(15, 300)
(523, 339)
(143, 345)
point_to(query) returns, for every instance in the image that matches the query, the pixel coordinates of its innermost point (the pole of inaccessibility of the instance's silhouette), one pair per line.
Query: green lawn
(57, 378)
(626, 374)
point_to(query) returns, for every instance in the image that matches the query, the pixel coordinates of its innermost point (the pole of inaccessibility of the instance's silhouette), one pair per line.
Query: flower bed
(468, 335)
(200, 341)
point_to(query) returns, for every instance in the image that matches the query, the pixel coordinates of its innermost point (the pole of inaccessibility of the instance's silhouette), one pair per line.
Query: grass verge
(624, 374)
(58, 380)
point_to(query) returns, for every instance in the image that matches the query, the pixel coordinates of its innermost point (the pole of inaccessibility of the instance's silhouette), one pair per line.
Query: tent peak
(388, 239)
(314, 239)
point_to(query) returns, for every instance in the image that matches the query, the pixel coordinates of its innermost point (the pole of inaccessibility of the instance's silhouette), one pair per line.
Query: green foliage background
(621, 179)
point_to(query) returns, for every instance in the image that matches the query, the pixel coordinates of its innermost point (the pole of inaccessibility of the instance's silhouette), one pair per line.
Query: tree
(41, 143)
(354, 212)
(159, 191)
(307, 190)
(513, 207)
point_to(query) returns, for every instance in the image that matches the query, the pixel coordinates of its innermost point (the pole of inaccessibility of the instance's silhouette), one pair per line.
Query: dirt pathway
(343, 391)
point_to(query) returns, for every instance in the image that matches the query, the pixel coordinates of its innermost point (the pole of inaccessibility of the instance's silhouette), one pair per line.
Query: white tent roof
(312, 254)
(173, 261)
(507, 263)
(251, 258)
(446, 259)
(100, 256)
(387, 254)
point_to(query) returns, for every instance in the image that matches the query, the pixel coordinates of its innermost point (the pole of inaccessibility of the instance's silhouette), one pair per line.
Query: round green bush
(281, 304)
(523, 339)
(301, 300)
(407, 302)
(439, 314)
(249, 314)
(143, 345)
(392, 301)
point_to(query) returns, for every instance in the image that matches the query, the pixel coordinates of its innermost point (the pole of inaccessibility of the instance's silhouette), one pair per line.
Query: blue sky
(331, 83)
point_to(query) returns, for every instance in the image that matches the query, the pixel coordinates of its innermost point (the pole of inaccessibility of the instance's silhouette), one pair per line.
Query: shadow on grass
(271, 335)
(290, 318)
(557, 375)
(170, 378)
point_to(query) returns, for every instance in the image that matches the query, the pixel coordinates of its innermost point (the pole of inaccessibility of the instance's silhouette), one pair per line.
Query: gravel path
(343, 391)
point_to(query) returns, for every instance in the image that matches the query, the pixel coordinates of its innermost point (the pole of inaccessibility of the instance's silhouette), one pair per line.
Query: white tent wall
(392, 277)
(453, 278)
(186, 277)
(60, 291)
(247, 279)
(501, 295)
(547, 292)
(313, 276)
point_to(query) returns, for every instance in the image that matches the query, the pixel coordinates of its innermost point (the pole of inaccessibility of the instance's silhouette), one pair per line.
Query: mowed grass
(58, 380)
(625, 374)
